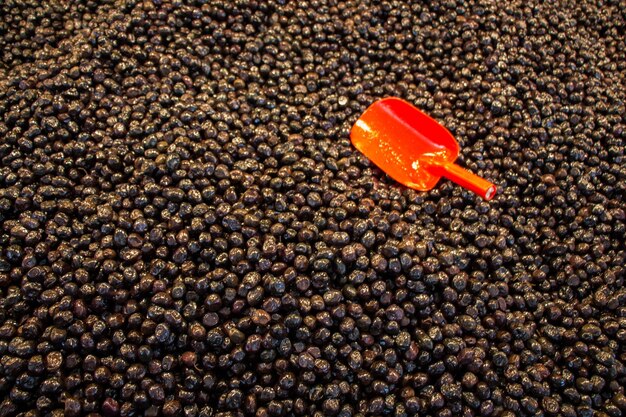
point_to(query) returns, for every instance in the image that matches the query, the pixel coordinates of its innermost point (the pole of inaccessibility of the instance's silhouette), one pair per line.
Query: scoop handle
(466, 179)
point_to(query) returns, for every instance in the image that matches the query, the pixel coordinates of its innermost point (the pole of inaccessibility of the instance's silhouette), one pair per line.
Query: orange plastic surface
(412, 148)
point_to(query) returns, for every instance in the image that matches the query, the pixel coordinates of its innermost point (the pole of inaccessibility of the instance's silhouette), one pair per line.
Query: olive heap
(185, 228)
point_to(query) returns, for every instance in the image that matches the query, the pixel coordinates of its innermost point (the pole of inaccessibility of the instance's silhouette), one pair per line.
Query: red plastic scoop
(412, 148)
